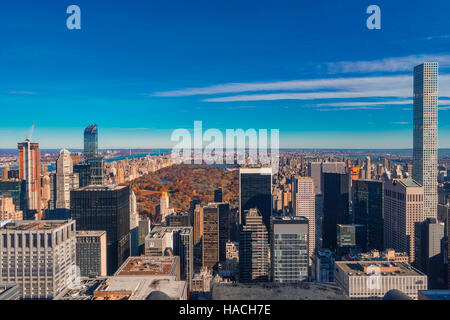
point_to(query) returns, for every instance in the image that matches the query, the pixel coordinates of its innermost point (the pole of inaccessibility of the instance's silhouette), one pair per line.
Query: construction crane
(28, 138)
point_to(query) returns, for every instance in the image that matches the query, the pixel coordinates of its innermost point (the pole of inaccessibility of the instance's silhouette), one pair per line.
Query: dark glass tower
(105, 208)
(90, 142)
(255, 191)
(335, 206)
(368, 210)
(218, 195)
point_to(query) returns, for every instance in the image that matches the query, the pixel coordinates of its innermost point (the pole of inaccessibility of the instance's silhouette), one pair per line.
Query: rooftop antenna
(28, 138)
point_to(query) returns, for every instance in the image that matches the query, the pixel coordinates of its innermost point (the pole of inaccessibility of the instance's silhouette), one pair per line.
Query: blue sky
(140, 69)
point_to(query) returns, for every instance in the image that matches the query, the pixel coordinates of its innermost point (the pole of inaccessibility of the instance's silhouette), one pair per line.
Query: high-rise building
(8, 209)
(15, 189)
(178, 241)
(65, 180)
(350, 237)
(335, 206)
(90, 142)
(40, 255)
(164, 206)
(30, 171)
(105, 208)
(403, 207)
(368, 169)
(211, 237)
(218, 196)
(91, 253)
(368, 210)
(315, 173)
(304, 206)
(255, 191)
(253, 248)
(289, 252)
(429, 251)
(134, 225)
(96, 165)
(84, 174)
(425, 137)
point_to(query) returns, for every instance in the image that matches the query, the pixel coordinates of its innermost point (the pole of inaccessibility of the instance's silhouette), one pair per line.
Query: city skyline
(286, 67)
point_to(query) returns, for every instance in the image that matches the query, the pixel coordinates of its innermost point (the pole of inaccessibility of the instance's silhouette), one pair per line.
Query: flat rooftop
(31, 225)
(90, 233)
(146, 265)
(277, 291)
(409, 183)
(158, 231)
(111, 187)
(387, 268)
(139, 288)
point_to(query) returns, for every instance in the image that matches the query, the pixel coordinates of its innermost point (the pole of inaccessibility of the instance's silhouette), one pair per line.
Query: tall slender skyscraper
(30, 171)
(65, 180)
(425, 146)
(90, 142)
(304, 206)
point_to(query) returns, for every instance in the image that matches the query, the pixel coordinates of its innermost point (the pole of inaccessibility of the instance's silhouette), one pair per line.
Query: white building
(370, 280)
(425, 137)
(65, 180)
(38, 255)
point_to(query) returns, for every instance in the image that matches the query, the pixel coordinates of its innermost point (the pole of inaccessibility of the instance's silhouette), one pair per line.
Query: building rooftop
(158, 231)
(91, 129)
(31, 225)
(386, 268)
(147, 265)
(276, 291)
(256, 170)
(140, 288)
(409, 183)
(91, 233)
(111, 187)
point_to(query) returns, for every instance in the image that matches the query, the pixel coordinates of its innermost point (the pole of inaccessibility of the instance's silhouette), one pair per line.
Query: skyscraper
(91, 155)
(368, 169)
(91, 253)
(425, 135)
(403, 207)
(218, 195)
(429, 251)
(90, 142)
(304, 206)
(105, 208)
(65, 180)
(38, 255)
(255, 191)
(30, 171)
(368, 210)
(289, 252)
(335, 206)
(210, 239)
(253, 248)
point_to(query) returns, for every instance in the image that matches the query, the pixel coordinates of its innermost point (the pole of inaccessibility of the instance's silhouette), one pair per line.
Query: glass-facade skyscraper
(335, 206)
(425, 135)
(368, 210)
(105, 208)
(90, 142)
(289, 251)
(255, 191)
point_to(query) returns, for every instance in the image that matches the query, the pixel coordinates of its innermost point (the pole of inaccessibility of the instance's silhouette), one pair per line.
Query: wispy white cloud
(357, 104)
(22, 92)
(400, 122)
(393, 64)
